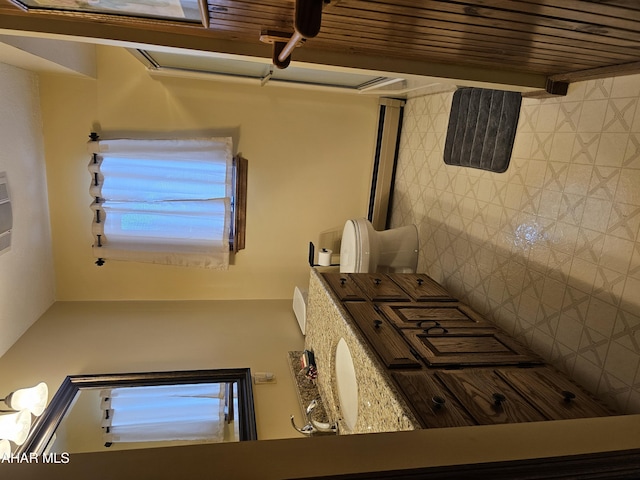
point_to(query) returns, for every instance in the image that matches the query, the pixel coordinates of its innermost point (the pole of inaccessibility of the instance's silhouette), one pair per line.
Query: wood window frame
(239, 204)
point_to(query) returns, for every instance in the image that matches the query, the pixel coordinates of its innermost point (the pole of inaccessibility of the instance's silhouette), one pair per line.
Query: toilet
(366, 250)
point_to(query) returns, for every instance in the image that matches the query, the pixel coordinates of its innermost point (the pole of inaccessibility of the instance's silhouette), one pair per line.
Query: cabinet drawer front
(382, 336)
(430, 400)
(488, 398)
(468, 347)
(421, 287)
(344, 287)
(553, 394)
(379, 287)
(427, 314)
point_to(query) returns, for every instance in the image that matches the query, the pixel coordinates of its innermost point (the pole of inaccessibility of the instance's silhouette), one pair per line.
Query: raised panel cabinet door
(378, 287)
(430, 400)
(555, 395)
(421, 287)
(456, 347)
(344, 287)
(382, 336)
(433, 314)
(487, 397)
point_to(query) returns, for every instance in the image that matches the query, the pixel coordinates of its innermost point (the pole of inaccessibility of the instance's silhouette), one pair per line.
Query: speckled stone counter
(380, 406)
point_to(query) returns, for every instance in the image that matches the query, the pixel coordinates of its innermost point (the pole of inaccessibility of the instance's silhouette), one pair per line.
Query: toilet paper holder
(312, 256)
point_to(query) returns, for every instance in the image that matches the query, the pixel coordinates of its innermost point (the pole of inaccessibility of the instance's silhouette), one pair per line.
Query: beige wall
(310, 160)
(26, 270)
(108, 337)
(310, 157)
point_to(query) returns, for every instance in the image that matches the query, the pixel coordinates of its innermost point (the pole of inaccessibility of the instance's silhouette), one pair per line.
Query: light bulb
(5, 449)
(15, 426)
(33, 399)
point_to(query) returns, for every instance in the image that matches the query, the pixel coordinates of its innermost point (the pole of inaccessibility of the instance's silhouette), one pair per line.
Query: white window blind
(162, 201)
(165, 412)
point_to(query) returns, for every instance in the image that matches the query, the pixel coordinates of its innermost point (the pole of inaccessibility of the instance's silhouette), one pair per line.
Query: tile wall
(549, 249)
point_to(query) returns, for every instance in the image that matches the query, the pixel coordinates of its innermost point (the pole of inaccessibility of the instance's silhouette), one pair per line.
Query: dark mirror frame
(46, 425)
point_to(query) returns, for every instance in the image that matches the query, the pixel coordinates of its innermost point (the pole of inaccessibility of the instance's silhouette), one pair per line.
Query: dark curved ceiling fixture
(306, 23)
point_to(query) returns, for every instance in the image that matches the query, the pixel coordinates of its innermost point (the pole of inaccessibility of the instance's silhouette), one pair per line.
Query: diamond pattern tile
(550, 249)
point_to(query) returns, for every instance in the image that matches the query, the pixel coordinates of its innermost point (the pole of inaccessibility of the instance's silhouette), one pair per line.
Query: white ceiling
(48, 55)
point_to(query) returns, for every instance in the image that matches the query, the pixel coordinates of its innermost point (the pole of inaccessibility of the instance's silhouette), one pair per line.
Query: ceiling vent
(6, 217)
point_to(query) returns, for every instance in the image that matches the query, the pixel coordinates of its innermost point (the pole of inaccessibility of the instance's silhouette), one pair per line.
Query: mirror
(93, 412)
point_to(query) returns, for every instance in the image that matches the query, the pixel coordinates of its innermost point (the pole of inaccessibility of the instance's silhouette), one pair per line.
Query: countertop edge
(381, 406)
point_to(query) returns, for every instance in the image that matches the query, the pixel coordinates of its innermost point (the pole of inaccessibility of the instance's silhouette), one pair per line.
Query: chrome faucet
(313, 427)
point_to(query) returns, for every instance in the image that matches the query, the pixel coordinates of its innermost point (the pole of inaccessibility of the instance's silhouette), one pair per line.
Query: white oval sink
(347, 385)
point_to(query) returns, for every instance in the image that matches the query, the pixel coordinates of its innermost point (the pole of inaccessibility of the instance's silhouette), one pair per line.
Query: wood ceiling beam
(170, 34)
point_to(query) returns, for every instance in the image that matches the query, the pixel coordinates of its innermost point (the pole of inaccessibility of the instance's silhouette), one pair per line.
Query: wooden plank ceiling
(548, 37)
(565, 40)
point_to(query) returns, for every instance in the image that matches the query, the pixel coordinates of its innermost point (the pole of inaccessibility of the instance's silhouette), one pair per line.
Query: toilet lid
(348, 248)
(355, 241)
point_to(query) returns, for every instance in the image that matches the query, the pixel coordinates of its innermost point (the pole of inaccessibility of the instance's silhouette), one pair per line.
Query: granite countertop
(381, 407)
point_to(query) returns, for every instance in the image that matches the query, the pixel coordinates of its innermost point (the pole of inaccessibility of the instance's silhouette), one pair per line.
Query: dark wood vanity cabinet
(389, 287)
(466, 347)
(451, 334)
(344, 287)
(385, 340)
(508, 395)
(553, 394)
(452, 366)
(431, 402)
(380, 288)
(449, 314)
(488, 398)
(420, 287)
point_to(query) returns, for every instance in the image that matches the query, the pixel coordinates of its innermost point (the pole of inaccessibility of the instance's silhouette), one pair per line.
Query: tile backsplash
(549, 250)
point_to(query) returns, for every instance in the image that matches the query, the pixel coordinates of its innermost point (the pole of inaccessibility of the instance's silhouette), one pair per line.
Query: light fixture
(33, 399)
(5, 449)
(15, 423)
(15, 426)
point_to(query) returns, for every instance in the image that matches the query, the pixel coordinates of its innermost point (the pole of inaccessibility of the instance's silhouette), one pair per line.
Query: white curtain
(162, 413)
(162, 201)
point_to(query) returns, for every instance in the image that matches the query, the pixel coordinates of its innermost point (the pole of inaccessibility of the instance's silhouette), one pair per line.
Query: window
(173, 202)
(75, 408)
(160, 413)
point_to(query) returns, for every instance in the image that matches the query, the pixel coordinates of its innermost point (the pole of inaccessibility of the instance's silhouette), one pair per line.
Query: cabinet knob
(377, 323)
(377, 281)
(438, 402)
(420, 281)
(343, 280)
(498, 399)
(568, 396)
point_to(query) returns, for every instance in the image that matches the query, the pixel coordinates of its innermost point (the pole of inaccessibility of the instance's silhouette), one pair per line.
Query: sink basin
(347, 385)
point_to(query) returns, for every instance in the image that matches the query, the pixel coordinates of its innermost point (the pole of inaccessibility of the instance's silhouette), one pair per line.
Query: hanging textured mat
(482, 127)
